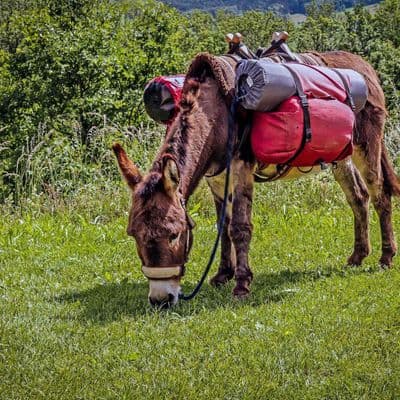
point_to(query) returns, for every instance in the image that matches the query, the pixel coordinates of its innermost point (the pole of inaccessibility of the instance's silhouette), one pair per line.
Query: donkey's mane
(221, 68)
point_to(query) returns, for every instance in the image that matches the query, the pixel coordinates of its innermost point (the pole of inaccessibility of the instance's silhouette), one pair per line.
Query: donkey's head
(160, 225)
(195, 143)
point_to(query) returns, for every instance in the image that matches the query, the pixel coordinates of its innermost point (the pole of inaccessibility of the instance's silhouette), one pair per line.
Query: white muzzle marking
(161, 289)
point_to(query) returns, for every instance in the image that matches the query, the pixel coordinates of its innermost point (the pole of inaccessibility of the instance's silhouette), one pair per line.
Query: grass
(75, 323)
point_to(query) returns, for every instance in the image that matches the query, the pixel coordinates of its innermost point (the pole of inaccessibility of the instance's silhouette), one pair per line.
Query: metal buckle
(308, 134)
(304, 101)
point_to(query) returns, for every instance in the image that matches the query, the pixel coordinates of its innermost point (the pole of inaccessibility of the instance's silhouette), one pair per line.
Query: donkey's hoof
(355, 260)
(241, 290)
(386, 261)
(221, 278)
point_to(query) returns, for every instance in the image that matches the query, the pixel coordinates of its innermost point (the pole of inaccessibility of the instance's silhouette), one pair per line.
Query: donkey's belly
(271, 172)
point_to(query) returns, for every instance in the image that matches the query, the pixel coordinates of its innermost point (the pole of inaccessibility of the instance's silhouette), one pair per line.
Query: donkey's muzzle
(164, 303)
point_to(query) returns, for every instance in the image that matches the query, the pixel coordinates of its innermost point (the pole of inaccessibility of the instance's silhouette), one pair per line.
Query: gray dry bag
(263, 84)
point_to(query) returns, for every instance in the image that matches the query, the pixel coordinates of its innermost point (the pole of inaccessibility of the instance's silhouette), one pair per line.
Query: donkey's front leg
(228, 255)
(241, 226)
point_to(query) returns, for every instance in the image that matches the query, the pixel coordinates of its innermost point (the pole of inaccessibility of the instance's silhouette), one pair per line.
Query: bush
(67, 65)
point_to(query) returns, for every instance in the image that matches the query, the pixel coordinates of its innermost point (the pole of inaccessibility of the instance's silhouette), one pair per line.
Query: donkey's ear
(128, 169)
(171, 175)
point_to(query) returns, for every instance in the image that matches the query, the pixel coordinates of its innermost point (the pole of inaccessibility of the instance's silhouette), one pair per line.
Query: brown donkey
(195, 146)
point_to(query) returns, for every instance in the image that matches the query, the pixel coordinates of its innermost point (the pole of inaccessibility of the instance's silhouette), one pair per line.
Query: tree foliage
(66, 64)
(284, 6)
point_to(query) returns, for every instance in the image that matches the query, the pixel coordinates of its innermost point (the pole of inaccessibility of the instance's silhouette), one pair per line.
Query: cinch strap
(303, 101)
(349, 99)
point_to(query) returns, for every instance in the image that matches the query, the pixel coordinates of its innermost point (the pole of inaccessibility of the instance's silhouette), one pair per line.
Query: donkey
(195, 147)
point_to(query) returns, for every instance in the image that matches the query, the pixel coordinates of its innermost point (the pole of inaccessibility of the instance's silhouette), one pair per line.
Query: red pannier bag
(162, 96)
(279, 137)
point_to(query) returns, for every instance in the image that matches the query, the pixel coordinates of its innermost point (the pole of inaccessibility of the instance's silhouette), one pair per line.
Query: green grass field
(75, 323)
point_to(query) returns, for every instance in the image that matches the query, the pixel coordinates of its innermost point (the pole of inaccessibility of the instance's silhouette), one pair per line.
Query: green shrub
(65, 66)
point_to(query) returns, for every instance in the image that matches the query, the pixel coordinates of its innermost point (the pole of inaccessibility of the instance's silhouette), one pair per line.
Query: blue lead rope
(221, 222)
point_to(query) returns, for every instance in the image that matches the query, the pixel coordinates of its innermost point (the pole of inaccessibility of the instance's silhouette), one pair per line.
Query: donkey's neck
(196, 139)
(187, 143)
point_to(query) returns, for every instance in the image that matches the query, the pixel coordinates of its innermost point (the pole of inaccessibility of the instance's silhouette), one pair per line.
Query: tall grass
(58, 172)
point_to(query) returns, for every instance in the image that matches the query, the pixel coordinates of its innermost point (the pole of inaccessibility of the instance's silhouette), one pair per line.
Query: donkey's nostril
(162, 303)
(152, 302)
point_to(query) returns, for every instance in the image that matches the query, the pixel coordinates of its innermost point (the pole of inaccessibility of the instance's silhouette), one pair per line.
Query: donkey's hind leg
(371, 160)
(227, 264)
(357, 196)
(370, 167)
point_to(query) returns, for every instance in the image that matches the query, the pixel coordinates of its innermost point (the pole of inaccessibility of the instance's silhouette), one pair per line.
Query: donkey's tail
(390, 179)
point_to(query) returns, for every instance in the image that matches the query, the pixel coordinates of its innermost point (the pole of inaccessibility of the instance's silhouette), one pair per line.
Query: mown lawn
(75, 323)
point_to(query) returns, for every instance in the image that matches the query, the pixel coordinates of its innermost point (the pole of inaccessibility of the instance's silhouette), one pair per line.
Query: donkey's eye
(173, 239)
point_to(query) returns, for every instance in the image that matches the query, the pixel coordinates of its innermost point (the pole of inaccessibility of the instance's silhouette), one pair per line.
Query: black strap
(303, 102)
(349, 100)
(233, 57)
(244, 133)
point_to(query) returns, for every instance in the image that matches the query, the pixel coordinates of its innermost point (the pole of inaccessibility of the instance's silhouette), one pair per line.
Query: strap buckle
(308, 134)
(305, 107)
(303, 100)
(351, 102)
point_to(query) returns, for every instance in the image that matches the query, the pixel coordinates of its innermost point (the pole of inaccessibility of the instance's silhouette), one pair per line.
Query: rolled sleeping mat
(161, 97)
(262, 84)
(357, 86)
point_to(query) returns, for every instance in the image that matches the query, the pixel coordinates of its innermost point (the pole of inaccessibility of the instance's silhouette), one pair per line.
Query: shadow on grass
(108, 302)
(112, 301)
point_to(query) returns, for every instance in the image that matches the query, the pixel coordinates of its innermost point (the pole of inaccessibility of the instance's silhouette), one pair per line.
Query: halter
(163, 273)
(175, 271)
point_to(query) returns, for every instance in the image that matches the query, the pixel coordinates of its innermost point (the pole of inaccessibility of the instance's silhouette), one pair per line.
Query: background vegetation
(284, 6)
(72, 75)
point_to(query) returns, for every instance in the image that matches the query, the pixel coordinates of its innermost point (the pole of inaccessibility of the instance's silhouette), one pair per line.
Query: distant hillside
(283, 6)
